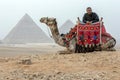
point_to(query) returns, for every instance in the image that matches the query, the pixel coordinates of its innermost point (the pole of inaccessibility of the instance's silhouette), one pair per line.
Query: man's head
(89, 10)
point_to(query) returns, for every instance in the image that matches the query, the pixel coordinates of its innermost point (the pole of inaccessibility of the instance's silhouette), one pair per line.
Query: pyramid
(65, 28)
(26, 31)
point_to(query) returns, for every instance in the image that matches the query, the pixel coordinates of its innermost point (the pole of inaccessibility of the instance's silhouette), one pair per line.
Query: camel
(52, 24)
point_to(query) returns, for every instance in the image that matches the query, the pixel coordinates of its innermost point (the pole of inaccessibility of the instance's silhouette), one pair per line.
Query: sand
(48, 64)
(28, 49)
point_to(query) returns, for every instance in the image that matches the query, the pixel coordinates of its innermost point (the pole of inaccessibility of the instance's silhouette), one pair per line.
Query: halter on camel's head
(48, 21)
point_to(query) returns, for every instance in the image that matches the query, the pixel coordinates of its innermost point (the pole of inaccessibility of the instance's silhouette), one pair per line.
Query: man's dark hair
(89, 8)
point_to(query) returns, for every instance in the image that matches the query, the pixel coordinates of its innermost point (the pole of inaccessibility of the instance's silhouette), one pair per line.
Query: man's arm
(96, 18)
(84, 18)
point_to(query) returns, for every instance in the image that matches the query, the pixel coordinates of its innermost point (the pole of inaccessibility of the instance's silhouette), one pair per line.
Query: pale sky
(11, 11)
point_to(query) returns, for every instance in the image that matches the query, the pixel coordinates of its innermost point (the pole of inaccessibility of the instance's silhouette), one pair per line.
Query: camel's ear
(55, 19)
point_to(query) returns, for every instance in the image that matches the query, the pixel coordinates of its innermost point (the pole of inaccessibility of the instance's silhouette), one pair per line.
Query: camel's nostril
(41, 20)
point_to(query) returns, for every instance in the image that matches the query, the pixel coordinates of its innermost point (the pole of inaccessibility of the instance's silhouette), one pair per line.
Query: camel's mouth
(43, 20)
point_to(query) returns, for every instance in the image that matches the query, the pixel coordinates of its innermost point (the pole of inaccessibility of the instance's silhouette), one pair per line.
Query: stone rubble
(92, 67)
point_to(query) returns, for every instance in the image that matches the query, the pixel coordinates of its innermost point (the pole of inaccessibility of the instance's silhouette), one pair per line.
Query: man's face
(89, 11)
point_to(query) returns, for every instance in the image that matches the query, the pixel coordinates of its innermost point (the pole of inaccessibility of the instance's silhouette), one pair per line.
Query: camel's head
(48, 21)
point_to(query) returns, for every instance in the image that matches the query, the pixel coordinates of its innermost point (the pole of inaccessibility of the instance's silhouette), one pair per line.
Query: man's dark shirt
(90, 17)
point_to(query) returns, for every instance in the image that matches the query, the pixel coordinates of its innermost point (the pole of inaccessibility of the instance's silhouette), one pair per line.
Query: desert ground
(43, 62)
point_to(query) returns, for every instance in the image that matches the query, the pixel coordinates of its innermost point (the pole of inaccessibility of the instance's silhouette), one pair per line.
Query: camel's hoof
(111, 49)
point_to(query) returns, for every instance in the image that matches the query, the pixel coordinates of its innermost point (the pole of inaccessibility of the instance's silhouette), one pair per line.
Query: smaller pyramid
(26, 31)
(65, 28)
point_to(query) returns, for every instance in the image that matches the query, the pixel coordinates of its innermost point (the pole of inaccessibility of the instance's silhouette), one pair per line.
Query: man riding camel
(90, 17)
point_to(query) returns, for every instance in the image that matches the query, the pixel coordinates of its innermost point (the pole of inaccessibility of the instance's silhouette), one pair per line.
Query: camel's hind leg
(109, 46)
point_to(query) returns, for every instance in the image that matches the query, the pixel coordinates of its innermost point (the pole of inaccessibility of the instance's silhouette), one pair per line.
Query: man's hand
(89, 22)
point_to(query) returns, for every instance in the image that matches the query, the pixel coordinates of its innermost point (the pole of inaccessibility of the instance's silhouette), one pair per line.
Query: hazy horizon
(13, 10)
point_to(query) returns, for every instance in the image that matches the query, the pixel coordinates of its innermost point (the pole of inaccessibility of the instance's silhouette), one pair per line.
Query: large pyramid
(26, 31)
(65, 28)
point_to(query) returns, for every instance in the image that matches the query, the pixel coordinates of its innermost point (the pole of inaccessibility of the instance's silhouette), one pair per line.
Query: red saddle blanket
(89, 34)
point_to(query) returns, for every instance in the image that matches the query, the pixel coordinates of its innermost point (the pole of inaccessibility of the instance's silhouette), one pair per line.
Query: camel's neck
(55, 32)
(56, 35)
